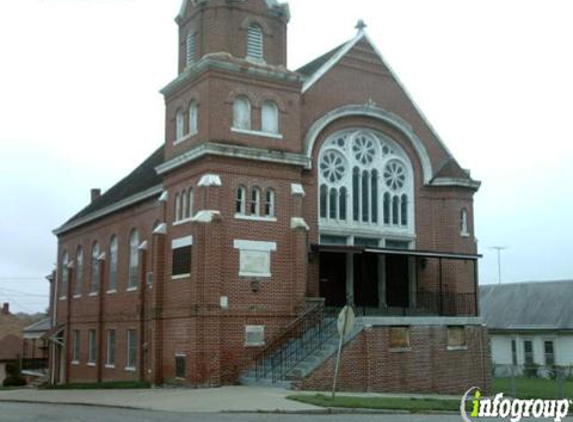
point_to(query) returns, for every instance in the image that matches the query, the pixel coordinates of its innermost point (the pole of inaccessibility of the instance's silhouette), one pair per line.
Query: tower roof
(272, 4)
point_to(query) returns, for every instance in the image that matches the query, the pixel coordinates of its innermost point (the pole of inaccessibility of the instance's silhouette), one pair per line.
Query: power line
(21, 293)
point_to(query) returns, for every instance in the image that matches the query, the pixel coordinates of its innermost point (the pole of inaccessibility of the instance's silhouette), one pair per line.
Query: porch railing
(427, 304)
(296, 342)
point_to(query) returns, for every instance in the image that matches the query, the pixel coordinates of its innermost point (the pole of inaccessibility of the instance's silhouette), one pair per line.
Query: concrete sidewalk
(212, 400)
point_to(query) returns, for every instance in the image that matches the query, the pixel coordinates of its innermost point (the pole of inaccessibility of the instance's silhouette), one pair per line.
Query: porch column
(382, 281)
(350, 279)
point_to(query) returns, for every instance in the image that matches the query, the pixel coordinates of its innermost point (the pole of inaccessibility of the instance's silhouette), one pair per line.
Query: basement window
(254, 335)
(457, 338)
(399, 338)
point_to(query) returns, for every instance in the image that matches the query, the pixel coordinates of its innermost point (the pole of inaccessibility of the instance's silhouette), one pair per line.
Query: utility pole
(499, 249)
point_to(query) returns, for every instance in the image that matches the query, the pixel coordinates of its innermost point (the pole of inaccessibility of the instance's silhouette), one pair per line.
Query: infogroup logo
(513, 409)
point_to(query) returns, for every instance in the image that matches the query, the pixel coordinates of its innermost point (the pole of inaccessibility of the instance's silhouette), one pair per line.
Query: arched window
(256, 201)
(177, 208)
(113, 260)
(366, 182)
(255, 45)
(133, 260)
(79, 271)
(190, 49)
(190, 200)
(464, 226)
(94, 276)
(193, 128)
(270, 203)
(63, 291)
(179, 125)
(270, 117)
(242, 113)
(184, 209)
(240, 207)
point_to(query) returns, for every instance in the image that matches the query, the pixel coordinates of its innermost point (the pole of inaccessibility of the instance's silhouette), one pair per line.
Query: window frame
(113, 264)
(255, 209)
(64, 276)
(92, 347)
(94, 273)
(270, 203)
(131, 350)
(255, 329)
(133, 262)
(270, 122)
(179, 125)
(110, 347)
(79, 276)
(183, 244)
(246, 125)
(76, 347)
(241, 201)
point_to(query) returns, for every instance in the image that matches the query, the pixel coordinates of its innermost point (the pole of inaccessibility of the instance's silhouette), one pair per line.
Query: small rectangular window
(180, 370)
(549, 353)
(92, 347)
(131, 350)
(254, 335)
(399, 337)
(110, 348)
(457, 337)
(181, 261)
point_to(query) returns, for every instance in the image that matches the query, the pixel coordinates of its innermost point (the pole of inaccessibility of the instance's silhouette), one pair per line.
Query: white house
(531, 324)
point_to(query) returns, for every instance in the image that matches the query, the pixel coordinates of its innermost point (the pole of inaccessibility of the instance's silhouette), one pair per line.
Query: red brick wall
(368, 364)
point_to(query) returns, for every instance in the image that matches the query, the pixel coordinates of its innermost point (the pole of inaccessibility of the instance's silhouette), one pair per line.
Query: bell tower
(255, 30)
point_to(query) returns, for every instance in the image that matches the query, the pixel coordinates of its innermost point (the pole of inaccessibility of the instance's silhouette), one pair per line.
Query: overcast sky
(80, 107)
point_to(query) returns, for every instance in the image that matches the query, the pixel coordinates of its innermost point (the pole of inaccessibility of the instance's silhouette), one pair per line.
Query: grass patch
(532, 388)
(121, 385)
(412, 405)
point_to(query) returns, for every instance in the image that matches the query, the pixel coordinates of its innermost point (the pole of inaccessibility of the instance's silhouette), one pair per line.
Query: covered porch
(398, 282)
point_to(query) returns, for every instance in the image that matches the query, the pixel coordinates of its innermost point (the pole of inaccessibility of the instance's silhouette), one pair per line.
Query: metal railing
(297, 341)
(427, 304)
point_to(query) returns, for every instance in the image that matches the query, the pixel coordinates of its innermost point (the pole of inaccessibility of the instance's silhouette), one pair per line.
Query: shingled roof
(310, 68)
(528, 306)
(144, 177)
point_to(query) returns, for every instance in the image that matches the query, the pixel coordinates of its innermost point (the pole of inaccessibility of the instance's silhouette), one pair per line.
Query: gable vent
(255, 42)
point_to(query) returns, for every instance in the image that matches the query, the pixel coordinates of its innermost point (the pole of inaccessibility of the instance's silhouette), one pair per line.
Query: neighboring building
(531, 324)
(274, 189)
(35, 347)
(10, 352)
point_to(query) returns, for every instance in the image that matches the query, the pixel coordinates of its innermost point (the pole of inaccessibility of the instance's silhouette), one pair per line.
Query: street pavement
(28, 412)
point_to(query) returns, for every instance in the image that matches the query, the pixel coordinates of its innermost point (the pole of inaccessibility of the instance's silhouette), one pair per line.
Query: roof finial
(361, 25)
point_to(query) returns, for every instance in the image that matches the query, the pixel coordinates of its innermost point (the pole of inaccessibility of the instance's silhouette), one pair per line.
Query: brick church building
(277, 197)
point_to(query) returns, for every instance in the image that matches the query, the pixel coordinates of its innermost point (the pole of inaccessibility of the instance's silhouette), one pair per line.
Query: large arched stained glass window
(366, 182)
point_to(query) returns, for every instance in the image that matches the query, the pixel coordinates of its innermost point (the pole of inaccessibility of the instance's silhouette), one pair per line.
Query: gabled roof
(39, 326)
(141, 179)
(528, 306)
(310, 68)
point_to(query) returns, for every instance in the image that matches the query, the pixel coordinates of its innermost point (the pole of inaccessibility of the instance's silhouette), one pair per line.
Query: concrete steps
(298, 357)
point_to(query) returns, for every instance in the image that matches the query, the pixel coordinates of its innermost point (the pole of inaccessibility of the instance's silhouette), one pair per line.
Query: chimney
(96, 193)
(6, 309)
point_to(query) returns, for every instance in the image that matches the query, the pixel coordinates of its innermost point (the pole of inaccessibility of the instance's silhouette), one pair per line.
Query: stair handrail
(314, 312)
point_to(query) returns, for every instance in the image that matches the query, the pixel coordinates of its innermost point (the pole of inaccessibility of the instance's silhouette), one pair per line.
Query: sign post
(345, 324)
